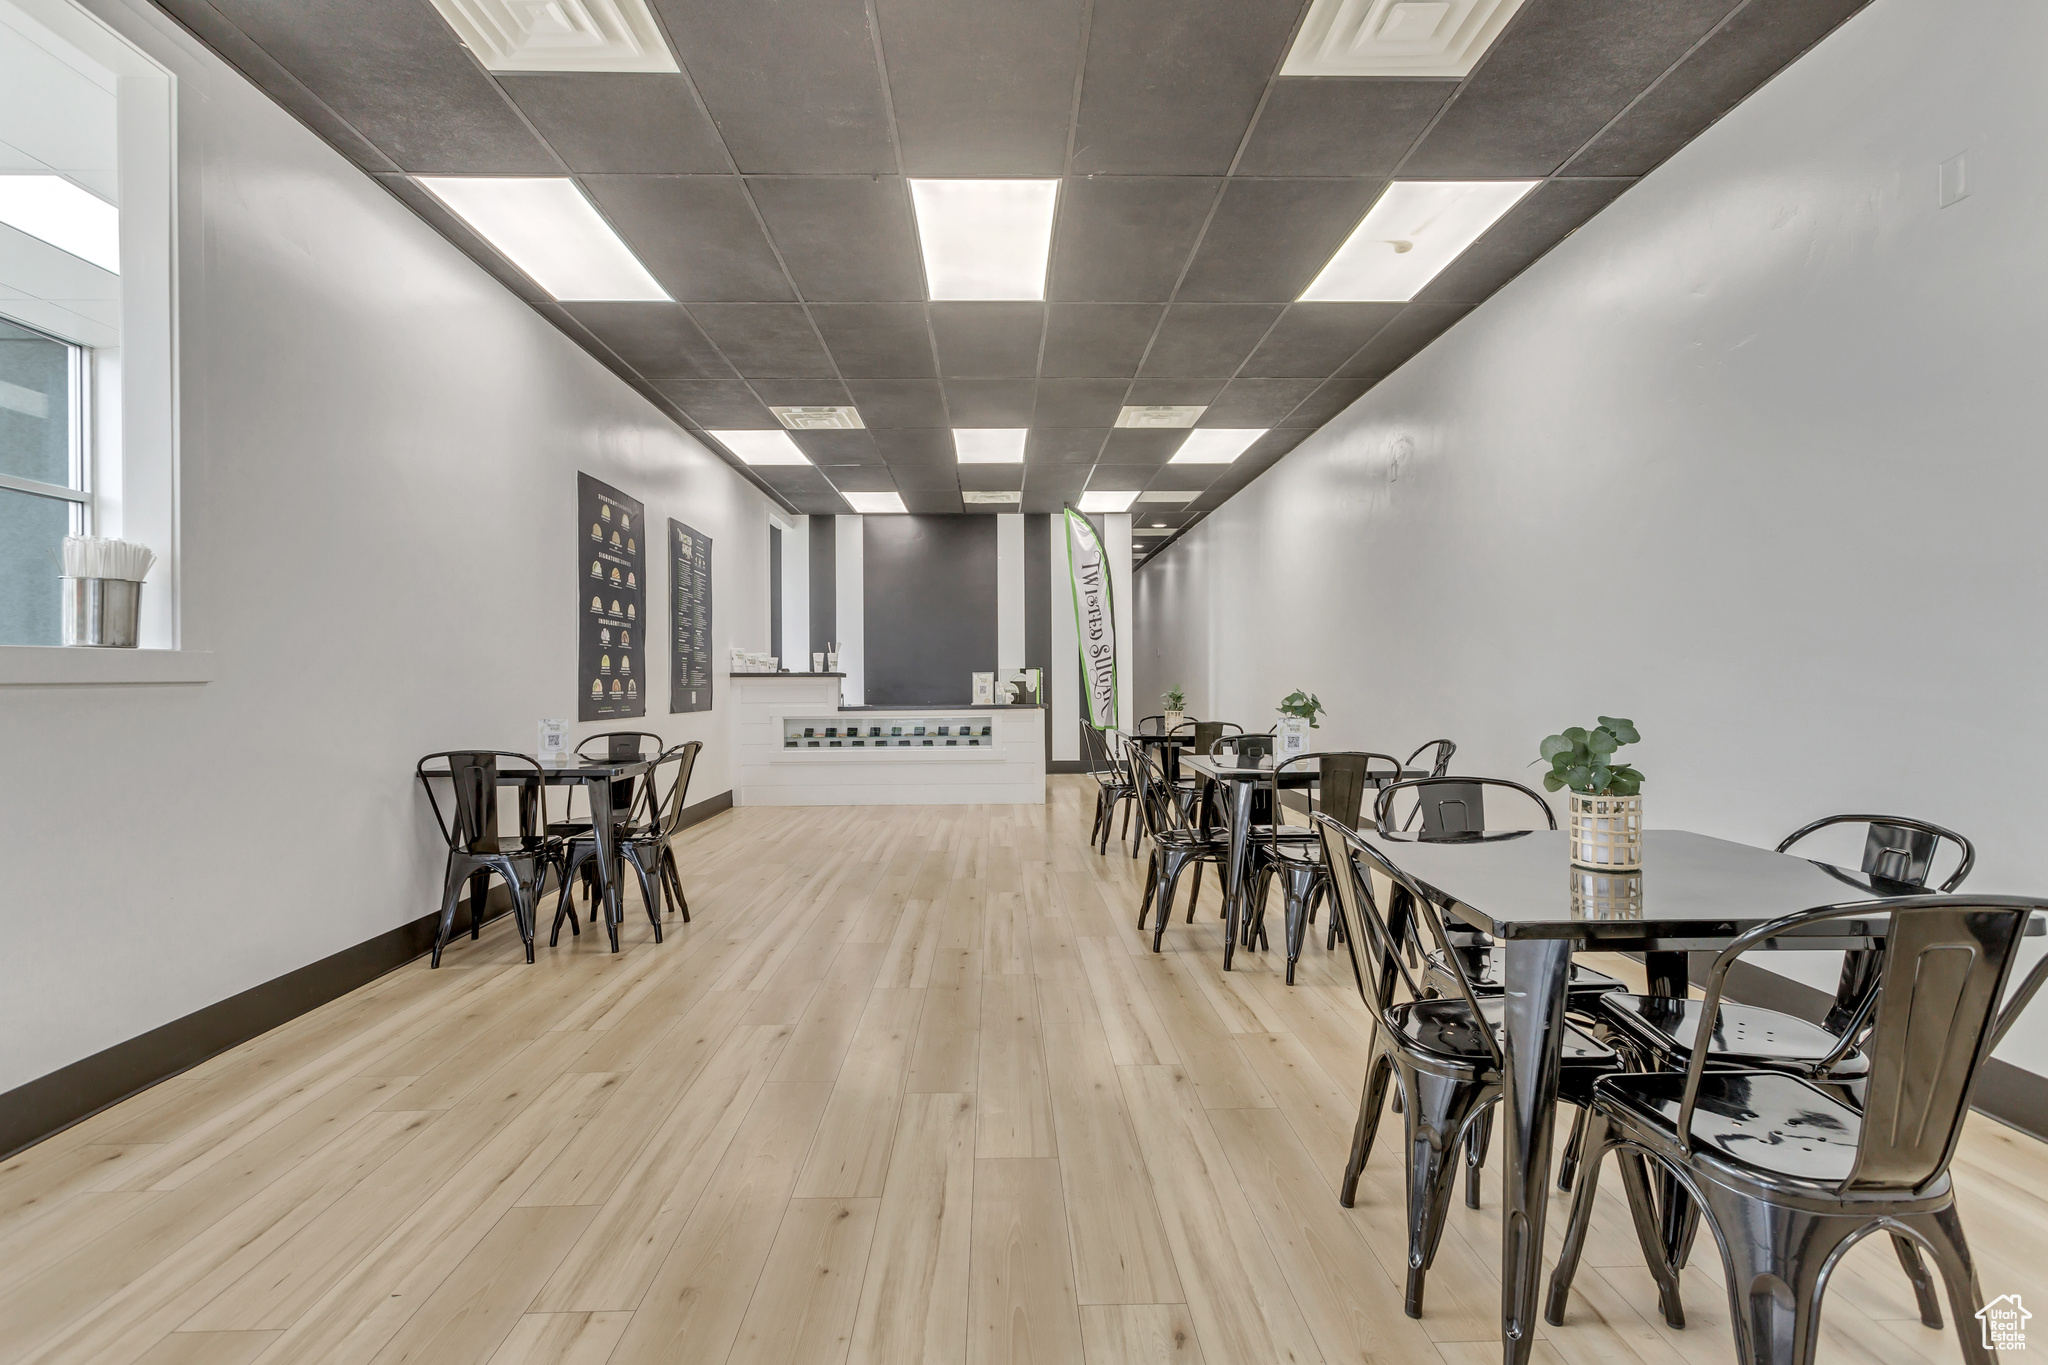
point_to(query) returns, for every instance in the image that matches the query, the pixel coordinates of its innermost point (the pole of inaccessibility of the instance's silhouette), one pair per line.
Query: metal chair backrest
(1946, 963)
(473, 773)
(665, 812)
(1100, 765)
(1206, 733)
(1160, 813)
(1898, 848)
(1342, 779)
(1450, 807)
(1250, 748)
(1158, 724)
(1440, 763)
(619, 746)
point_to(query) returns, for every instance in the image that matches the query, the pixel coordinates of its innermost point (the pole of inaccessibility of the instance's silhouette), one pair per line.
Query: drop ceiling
(755, 154)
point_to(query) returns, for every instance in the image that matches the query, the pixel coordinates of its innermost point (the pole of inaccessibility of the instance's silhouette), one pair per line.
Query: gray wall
(1754, 459)
(379, 456)
(929, 607)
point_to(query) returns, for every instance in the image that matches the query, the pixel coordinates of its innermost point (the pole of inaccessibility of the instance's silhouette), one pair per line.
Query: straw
(100, 557)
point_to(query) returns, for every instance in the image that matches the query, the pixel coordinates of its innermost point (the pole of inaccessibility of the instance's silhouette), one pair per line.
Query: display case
(892, 730)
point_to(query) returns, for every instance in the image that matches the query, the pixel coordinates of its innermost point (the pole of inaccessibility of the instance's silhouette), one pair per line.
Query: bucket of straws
(102, 590)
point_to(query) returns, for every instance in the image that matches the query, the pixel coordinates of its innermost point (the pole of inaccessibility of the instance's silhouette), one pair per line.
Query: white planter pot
(1607, 832)
(1290, 738)
(1171, 720)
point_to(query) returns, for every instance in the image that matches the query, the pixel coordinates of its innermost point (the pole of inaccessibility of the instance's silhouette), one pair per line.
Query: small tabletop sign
(554, 743)
(984, 689)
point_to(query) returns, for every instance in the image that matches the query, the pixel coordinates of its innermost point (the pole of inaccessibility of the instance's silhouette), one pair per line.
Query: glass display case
(893, 730)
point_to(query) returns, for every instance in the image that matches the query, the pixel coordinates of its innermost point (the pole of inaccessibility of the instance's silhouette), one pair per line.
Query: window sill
(56, 666)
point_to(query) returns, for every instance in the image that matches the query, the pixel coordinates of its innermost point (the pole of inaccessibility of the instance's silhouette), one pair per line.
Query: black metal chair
(1440, 761)
(647, 847)
(1113, 786)
(1176, 844)
(1789, 1176)
(618, 746)
(1443, 1052)
(1343, 778)
(476, 849)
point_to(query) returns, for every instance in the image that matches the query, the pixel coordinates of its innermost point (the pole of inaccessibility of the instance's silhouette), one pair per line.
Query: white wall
(1753, 459)
(378, 488)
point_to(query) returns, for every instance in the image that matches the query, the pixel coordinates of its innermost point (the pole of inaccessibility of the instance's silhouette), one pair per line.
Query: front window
(43, 465)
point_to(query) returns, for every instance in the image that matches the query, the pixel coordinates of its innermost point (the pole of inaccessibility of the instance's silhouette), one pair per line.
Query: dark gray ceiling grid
(763, 185)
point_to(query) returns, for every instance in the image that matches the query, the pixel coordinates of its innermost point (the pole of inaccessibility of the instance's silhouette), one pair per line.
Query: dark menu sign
(689, 607)
(611, 566)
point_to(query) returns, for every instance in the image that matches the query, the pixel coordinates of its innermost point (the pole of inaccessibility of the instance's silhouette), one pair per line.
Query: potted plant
(1176, 708)
(1606, 796)
(1298, 712)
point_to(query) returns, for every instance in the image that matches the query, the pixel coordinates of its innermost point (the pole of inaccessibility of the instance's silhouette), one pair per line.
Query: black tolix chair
(1176, 844)
(1279, 852)
(477, 850)
(647, 847)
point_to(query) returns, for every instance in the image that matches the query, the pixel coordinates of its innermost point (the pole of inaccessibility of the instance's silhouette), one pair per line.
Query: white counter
(1006, 767)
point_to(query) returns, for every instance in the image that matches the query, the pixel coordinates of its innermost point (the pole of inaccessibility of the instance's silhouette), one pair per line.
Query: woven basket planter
(1606, 895)
(1607, 832)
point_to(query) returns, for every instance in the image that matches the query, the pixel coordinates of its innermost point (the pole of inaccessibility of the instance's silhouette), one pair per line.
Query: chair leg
(1923, 1283)
(1591, 1131)
(522, 910)
(1951, 1251)
(1369, 1105)
(1195, 894)
(1168, 879)
(1441, 1111)
(1776, 1257)
(1151, 885)
(675, 881)
(1478, 1141)
(1296, 912)
(451, 892)
(479, 898)
(1642, 1208)
(1574, 1151)
(650, 892)
(565, 903)
(1101, 813)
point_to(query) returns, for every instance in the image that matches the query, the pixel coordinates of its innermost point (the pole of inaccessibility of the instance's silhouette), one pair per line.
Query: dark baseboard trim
(1066, 765)
(49, 1104)
(2013, 1095)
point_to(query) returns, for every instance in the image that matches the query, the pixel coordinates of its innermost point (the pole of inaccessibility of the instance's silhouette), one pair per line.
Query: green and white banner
(1094, 619)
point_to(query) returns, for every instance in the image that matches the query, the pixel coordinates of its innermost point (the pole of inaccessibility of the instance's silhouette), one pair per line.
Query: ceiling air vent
(1159, 417)
(1396, 37)
(819, 419)
(991, 497)
(559, 35)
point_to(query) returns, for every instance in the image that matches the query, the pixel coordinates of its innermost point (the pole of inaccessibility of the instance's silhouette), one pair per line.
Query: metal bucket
(101, 611)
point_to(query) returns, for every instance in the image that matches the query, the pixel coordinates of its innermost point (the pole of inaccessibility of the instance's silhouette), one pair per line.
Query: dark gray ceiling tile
(1097, 340)
(992, 478)
(1549, 214)
(859, 478)
(1274, 444)
(988, 340)
(1122, 477)
(877, 340)
(1064, 445)
(1176, 478)
(396, 72)
(794, 481)
(1313, 339)
(1040, 501)
(1171, 84)
(657, 339)
(697, 234)
(1329, 125)
(801, 393)
(766, 340)
(794, 87)
(838, 447)
(844, 238)
(1754, 45)
(899, 402)
(1138, 446)
(631, 122)
(990, 402)
(1559, 72)
(1256, 402)
(982, 89)
(1418, 325)
(922, 453)
(719, 405)
(931, 502)
(1207, 340)
(1125, 239)
(1079, 402)
(1269, 238)
(1326, 402)
(1173, 393)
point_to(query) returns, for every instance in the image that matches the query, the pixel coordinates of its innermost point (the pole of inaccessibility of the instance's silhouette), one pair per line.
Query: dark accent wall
(824, 586)
(775, 590)
(1038, 607)
(929, 597)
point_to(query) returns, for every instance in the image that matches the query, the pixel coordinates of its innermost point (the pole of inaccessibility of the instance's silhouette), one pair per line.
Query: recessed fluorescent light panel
(1215, 445)
(875, 503)
(545, 226)
(1156, 417)
(1414, 230)
(975, 495)
(762, 447)
(985, 239)
(51, 209)
(1105, 501)
(989, 445)
(819, 419)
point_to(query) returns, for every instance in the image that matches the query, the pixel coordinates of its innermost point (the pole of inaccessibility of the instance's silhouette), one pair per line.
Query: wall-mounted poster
(689, 605)
(611, 565)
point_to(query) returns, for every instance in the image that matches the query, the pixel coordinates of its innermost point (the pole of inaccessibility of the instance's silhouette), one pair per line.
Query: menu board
(610, 568)
(689, 607)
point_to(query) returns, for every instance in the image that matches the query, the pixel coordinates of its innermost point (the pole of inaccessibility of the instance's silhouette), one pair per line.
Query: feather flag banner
(1094, 619)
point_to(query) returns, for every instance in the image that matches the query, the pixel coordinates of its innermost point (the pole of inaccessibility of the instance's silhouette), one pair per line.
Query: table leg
(1668, 974)
(1234, 872)
(1533, 1040)
(607, 858)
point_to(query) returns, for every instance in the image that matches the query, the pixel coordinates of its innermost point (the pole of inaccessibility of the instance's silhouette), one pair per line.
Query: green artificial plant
(1584, 759)
(1175, 699)
(1302, 706)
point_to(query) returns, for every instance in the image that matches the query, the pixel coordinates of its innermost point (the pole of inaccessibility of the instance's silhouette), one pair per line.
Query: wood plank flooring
(911, 1090)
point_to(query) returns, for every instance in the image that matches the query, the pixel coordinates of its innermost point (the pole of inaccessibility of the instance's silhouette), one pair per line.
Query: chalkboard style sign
(689, 597)
(611, 566)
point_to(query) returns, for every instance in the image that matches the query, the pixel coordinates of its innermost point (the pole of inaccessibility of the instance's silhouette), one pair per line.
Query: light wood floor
(910, 1089)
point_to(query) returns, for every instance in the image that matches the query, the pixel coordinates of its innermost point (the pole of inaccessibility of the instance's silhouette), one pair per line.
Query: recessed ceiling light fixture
(545, 226)
(1215, 445)
(984, 495)
(840, 418)
(1413, 230)
(989, 445)
(1107, 501)
(874, 504)
(762, 447)
(51, 209)
(985, 239)
(1155, 417)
